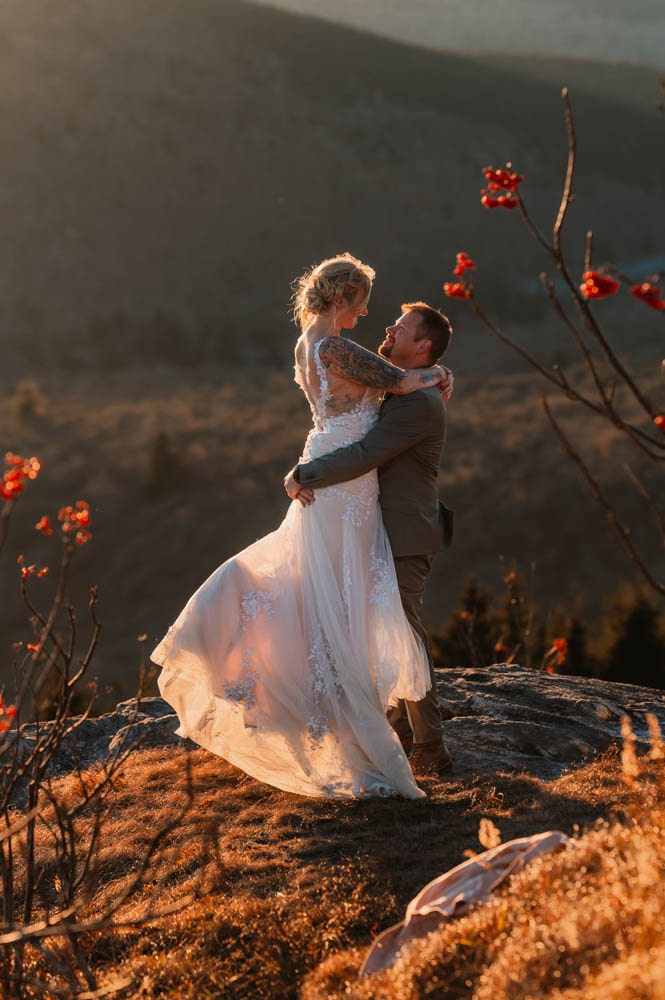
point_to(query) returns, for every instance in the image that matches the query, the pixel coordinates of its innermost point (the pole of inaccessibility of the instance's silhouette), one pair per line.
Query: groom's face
(402, 346)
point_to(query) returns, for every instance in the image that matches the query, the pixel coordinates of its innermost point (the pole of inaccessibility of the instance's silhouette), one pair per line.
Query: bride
(286, 659)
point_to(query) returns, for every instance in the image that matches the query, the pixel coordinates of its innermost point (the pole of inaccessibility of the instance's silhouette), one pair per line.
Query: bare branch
(581, 302)
(7, 508)
(566, 196)
(558, 378)
(46, 929)
(50, 622)
(500, 335)
(601, 499)
(649, 499)
(588, 254)
(606, 408)
(105, 991)
(531, 226)
(85, 662)
(16, 827)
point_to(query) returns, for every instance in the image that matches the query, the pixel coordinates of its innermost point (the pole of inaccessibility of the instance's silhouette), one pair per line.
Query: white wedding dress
(285, 660)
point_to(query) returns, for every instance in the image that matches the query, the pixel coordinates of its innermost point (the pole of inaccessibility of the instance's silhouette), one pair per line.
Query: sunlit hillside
(160, 527)
(167, 170)
(597, 29)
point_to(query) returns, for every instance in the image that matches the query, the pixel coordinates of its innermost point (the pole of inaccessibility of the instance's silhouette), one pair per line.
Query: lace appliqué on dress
(359, 500)
(243, 689)
(257, 602)
(384, 584)
(323, 670)
(320, 369)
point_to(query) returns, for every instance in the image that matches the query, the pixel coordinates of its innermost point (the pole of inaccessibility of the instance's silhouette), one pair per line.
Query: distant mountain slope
(597, 29)
(167, 169)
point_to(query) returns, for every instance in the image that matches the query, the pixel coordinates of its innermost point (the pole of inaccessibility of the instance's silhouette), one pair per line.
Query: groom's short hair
(434, 326)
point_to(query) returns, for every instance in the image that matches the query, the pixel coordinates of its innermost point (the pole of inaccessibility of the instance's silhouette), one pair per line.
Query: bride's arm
(351, 361)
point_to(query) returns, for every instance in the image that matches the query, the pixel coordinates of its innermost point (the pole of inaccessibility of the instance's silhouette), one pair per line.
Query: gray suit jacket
(405, 445)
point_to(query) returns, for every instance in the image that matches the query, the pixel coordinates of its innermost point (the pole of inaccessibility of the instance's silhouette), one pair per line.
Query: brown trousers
(422, 718)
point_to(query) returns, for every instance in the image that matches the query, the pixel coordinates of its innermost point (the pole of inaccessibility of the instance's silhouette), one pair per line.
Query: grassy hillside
(166, 172)
(232, 439)
(168, 169)
(292, 890)
(600, 29)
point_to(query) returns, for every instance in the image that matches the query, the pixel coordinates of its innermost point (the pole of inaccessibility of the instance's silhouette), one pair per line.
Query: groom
(405, 445)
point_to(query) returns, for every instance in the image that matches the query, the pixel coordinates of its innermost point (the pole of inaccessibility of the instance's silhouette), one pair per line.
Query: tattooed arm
(351, 361)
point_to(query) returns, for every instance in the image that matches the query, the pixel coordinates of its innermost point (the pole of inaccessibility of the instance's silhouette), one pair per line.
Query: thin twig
(560, 380)
(45, 929)
(532, 227)
(570, 170)
(588, 253)
(641, 439)
(581, 302)
(649, 499)
(50, 621)
(7, 508)
(601, 499)
(500, 335)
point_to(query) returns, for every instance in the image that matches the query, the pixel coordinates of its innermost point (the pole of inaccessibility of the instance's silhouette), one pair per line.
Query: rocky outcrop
(509, 718)
(498, 718)
(148, 724)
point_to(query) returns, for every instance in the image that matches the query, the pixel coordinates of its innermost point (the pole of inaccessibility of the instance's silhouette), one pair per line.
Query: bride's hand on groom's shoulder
(445, 386)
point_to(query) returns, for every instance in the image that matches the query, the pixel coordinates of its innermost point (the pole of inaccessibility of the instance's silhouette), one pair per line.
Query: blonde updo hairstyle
(317, 290)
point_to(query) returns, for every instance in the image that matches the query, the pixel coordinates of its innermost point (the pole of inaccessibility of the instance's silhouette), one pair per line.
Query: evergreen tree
(578, 661)
(637, 653)
(515, 621)
(165, 469)
(468, 637)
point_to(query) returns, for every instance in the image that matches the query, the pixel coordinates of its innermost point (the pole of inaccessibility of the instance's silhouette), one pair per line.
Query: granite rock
(509, 718)
(497, 718)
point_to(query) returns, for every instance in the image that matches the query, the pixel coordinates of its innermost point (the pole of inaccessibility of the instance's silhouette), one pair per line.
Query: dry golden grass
(584, 924)
(291, 890)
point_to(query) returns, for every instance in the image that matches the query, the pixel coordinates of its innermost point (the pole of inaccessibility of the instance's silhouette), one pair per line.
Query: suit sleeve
(406, 422)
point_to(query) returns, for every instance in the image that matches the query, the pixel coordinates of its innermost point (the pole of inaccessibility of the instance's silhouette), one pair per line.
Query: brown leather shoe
(406, 739)
(430, 758)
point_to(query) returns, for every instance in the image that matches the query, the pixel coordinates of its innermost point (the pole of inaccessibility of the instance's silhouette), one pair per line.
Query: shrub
(165, 468)
(28, 403)
(52, 836)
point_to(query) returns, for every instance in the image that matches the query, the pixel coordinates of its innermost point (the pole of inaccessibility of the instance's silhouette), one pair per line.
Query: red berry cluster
(598, 286)
(32, 570)
(501, 185)
(464, 263)
(649, 293)
(460, 289)
(44, 525)
(75, 521)
(7, 713)
(456, 290)
(557, 654)
(18, 470)
(560, 647)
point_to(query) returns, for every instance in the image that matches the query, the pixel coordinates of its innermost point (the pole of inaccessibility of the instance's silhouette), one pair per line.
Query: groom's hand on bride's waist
(296, 491)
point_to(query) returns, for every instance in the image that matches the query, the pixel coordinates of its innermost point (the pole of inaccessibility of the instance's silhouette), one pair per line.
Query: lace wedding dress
(285, 660)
